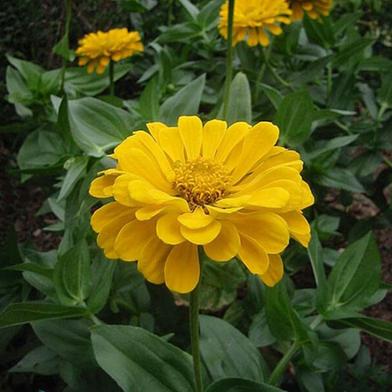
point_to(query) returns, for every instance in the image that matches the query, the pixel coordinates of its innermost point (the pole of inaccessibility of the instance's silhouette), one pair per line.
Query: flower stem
(229, 58)
(282, 364)
(195, 332)
(111, 77)
(68, 17)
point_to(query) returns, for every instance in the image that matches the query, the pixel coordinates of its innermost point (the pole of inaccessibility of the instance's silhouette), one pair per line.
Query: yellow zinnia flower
(313, 8)
(253, 19)
(98, 49)
(227, 189)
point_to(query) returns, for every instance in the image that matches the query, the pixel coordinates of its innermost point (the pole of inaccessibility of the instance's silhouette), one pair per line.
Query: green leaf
(72, 274)
(62, 49)
(17, 88)
(350, 51)
(315, 252)
(259, 332)
(355, 276)
(78, 82)
(140, 361)
(191, 9)
(22, 313)
(185, 102)
(76, 169)
(379, 328)
(240, 105)
(219, 284)
(30, 72)
(283, 320)
(240, 385)
(40, 360)
(68, 339)
(226, 352)
(101, 283)
(41, 150)
(341, 179)
(320, 31)
(97, 126)
(272, 94)
(149, 101)
(294, 118)
(385, 92)
(331, 145)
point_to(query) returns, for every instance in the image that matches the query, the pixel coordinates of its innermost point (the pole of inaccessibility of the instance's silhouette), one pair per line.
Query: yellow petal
(182, 268)
(202, 236)
(298, 226)
(121, 190)
(148, 212)
(152, 260)
(213, 133)
(170, 141)
(168, 229)
(269, 198)
(107, 213)
(107, 236)
(253, 255)
(275, 271)
(138, 162)
(196, 219)
(268, 229)
(101, 187)
(234, 135)
(257, 143)
(191, 132)
(263, 37)
(132, 238)
(156, 152)
(226, 245)
(307, 196)
(155, 128)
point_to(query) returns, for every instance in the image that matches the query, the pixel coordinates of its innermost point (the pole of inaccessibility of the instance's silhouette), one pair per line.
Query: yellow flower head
(98, 49)
(227, 189)
(313, 8)
(253, 19)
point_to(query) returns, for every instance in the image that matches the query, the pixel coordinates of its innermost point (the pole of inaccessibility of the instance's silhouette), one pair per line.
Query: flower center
(200, 181)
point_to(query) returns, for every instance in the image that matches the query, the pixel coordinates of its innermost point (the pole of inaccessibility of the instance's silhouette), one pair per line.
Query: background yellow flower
(253, 19)
(227, 189)
(96, 50)
(313, 8)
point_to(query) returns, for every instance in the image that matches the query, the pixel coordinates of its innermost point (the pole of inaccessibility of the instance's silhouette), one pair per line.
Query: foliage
(96, 324)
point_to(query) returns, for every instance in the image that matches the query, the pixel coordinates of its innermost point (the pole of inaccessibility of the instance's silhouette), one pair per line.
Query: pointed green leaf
(140, 361)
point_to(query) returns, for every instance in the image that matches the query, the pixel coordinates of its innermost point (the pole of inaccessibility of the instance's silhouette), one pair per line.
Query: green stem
(229, 58)
(68, 18)
(264, 58)
(195, 333)
(278, 77)
(282, 364)
(111, 78)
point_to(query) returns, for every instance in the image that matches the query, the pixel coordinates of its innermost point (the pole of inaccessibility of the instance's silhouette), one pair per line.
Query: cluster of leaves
(97, 324)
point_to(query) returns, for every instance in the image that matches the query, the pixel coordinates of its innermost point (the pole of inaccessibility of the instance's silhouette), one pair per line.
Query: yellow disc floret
(200, 181)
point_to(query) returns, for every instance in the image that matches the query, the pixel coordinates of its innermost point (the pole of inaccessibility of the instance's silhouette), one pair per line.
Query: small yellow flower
(98, 49)
(313, 8)
(254, 18)
(227, 189)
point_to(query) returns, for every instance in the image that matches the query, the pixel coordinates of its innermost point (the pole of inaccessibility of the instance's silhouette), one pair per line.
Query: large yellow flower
(313, 8)
(98, 49)
(254, 18)
(227, 189)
